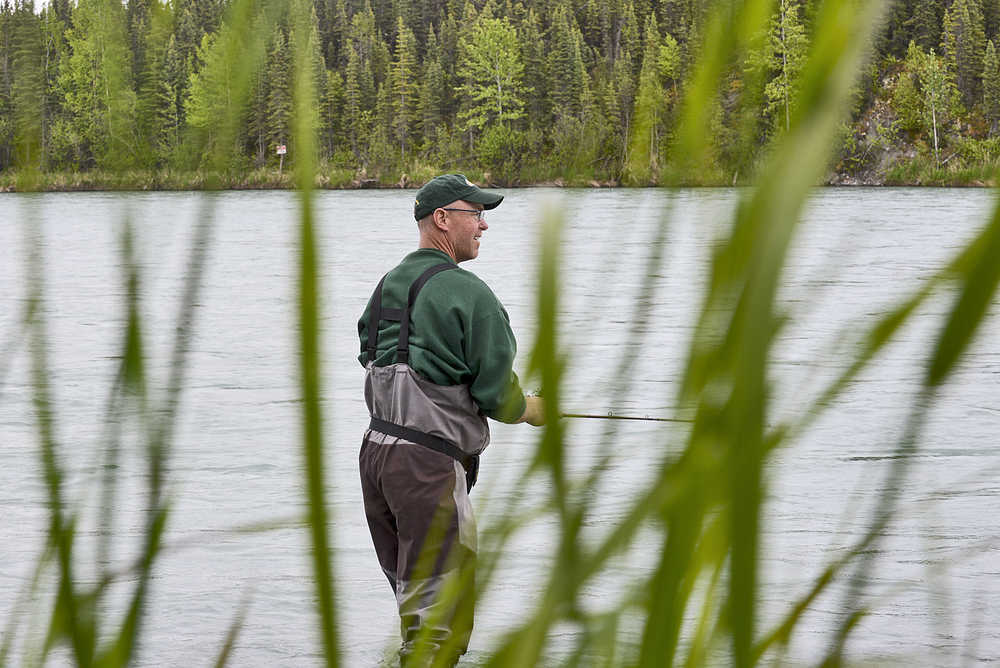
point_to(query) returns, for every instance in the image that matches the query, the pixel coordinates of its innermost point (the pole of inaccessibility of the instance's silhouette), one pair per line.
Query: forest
(571, 92)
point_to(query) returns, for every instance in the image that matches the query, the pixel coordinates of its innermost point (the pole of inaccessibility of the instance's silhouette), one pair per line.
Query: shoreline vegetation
(911, 174)
(112, 95)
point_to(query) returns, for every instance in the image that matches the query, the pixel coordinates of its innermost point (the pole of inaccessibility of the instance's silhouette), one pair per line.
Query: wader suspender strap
(376, 314)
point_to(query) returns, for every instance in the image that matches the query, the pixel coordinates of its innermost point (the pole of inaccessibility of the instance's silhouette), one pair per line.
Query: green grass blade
(979, 275)
(310, 358)
(68, 617)
(122, 650)
(234, 632)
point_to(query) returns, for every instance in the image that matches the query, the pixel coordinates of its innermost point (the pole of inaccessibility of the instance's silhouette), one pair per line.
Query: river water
(236, 458)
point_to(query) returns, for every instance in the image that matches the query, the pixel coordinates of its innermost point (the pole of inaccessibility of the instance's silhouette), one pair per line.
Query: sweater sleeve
(490, 351)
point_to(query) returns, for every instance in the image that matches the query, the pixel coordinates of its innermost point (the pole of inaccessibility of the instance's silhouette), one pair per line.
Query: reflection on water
(236, 459)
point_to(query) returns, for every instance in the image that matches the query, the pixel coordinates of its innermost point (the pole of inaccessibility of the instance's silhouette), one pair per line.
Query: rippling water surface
(236, 458)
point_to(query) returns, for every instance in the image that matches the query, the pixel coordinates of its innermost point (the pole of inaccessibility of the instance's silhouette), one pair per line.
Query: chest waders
(407, 406)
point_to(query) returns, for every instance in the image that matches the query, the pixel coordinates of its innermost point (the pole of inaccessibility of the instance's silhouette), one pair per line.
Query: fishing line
(612, 416)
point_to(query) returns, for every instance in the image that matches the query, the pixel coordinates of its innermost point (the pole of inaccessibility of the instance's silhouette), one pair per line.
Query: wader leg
(418, 511)
(381, 523)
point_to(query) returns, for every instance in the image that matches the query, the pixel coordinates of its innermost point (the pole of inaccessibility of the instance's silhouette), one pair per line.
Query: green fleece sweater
(459, 333)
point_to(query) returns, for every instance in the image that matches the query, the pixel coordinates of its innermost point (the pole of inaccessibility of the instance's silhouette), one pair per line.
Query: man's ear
(440, 219)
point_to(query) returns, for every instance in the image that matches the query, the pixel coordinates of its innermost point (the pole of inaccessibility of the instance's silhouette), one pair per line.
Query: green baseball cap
(447, 188)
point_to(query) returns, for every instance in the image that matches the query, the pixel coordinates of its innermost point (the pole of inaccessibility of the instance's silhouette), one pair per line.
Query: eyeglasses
(480, 213)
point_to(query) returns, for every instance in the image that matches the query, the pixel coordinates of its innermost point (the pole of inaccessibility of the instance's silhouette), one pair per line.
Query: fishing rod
(612, 416)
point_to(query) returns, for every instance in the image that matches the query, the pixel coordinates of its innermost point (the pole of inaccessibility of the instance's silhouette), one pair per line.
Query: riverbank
(262, 180)
(884, 168)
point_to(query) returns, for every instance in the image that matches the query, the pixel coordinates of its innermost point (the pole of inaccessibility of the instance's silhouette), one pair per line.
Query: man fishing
(438, 351)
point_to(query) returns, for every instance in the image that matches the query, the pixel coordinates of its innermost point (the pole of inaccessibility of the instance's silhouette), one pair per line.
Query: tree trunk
(934, 124)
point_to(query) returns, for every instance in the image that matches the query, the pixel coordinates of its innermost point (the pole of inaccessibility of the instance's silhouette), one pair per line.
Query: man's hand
(534, 411)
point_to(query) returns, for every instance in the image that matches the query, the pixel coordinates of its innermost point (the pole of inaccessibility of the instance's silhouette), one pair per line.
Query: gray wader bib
(418, 461)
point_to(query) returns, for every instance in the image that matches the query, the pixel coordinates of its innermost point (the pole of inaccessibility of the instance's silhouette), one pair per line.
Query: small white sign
(282, 150)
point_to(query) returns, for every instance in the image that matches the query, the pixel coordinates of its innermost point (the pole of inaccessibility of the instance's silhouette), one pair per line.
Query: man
(438, 351)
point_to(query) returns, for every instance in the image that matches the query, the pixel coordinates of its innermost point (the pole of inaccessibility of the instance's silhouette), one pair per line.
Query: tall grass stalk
(310, 358)
(704, 503)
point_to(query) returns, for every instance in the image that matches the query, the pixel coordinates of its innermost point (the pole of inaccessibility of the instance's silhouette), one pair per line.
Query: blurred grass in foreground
(702, 597)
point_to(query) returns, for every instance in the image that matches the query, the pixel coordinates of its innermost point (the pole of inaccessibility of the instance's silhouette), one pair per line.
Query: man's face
(465, 228)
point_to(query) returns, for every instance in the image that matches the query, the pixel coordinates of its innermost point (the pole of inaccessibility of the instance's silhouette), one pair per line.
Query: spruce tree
(6, 76)
(326, 20)
(337, 45)
(279, 93)
(535, 70)
(172, 102)
(991, 87)
(925, 24)
(357, 83)
(137, 18)
(405, 103)
(410, 13)
(156, 112)
(964, 43)
(27, 86)
(257, 122)
(679, 18)
(567, 79)
(897, 31)
(63, 11)
(631, 39)
(332, 113)
(433, 91)
(991, 17)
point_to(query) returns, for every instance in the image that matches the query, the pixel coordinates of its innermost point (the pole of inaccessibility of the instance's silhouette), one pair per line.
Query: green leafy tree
(670, 61)
(491, 64)
(644, 153)
(783, 57)
(193, 19)
(925, 96)
(97, 84)
(207, 93)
